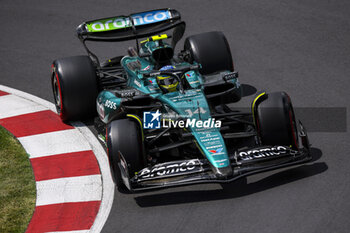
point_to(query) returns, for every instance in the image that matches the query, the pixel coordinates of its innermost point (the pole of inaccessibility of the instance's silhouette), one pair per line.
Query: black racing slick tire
(124, 136)
(274, 120)
(211, 50)
(74, 84)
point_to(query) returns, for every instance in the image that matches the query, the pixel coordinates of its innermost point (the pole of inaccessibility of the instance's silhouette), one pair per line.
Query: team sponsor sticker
(114, 23)
(175, 168)
(262, 152)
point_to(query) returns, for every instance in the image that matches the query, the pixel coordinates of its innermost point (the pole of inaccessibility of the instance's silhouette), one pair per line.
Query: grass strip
(17, 185)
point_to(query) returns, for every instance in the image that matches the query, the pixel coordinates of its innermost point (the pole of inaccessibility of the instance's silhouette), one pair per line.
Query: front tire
(274, 120)
(124, 135)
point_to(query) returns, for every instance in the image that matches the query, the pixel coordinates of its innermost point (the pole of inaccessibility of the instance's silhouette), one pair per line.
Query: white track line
(29, 97)
(70, 189)
(59, 142)
(82, 231)
(11, 105)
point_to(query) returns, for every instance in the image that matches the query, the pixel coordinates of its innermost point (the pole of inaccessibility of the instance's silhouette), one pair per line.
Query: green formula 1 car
(164, 117)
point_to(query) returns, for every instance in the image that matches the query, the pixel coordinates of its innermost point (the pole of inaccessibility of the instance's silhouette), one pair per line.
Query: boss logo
(110, 104)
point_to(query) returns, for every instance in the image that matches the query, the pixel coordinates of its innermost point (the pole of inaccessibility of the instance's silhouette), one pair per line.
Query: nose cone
(222, 172)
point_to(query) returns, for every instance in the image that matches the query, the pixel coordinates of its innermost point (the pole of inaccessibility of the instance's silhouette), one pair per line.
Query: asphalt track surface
(301, 47)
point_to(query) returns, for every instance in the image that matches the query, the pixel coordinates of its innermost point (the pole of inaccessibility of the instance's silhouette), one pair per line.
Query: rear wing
(134, 26)
(121, 28)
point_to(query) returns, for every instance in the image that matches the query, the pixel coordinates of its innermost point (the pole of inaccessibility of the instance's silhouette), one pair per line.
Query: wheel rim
(293, 126)
(56, 93)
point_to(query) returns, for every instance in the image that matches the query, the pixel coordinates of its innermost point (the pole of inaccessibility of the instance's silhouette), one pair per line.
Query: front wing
(196, 171)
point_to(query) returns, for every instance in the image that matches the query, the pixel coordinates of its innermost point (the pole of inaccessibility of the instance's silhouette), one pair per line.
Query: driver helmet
(167, 83)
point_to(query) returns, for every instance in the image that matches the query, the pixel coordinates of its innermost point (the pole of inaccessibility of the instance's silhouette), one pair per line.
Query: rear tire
(124, 135)
(211, 50)
(275, 120)
(74, 84)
